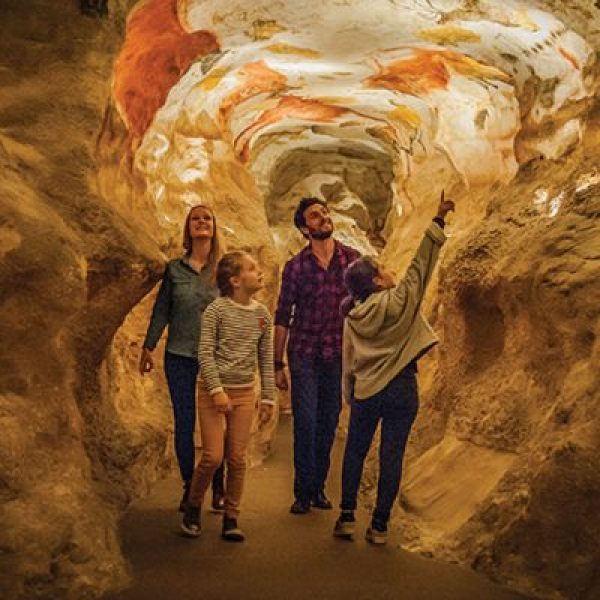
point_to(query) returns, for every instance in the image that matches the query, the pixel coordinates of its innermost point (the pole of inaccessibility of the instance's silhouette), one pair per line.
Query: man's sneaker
(376, 536)
(186, 494)
(345, 525)
(190, 525)
(321, 501)
(231, 532)
(300, 507)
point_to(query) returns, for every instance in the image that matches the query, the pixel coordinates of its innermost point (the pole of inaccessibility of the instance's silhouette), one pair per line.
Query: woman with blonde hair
(188, 287)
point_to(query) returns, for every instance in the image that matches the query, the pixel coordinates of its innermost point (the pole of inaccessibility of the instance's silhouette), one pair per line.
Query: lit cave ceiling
(372, 105)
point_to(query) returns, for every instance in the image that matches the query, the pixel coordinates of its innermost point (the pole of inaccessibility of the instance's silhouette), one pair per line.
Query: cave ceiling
(384, 102)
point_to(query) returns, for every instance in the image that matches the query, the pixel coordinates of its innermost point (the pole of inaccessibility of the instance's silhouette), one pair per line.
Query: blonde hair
(217, 246)
(229, 266)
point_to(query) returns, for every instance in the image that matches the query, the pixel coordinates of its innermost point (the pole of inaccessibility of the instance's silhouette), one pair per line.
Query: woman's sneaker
(345, 525)
(376, 535)
(231, 532)
(218, 501)
(190, 525)
(186, 494)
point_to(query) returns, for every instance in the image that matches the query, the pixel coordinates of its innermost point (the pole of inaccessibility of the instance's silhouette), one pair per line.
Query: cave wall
(81, 247)
(73, 265)
(504, 471)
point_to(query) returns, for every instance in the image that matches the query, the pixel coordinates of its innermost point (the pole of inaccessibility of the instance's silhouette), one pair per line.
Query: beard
(321, 235)
(318, 234)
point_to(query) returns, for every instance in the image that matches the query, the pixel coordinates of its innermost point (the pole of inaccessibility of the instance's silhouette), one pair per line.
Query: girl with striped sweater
(235, 338)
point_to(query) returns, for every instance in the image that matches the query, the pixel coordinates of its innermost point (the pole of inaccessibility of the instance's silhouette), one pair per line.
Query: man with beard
(312, 288)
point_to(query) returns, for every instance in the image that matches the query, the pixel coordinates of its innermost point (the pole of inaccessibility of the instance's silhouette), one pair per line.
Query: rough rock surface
(505, 465)
(73, 266)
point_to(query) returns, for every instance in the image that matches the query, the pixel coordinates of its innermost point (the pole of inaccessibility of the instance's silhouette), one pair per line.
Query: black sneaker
(218, 501)
(321, 501)
(186, 494)
(377, 534)
(190, 525)
(231, 532)
(345, 525)
(300, 507)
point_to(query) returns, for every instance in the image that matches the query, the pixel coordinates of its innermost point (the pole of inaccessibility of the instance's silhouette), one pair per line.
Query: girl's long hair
(358, 278)
(229, 266)
(217, 246)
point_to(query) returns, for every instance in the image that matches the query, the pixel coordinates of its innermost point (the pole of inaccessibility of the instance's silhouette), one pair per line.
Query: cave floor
(284, 556)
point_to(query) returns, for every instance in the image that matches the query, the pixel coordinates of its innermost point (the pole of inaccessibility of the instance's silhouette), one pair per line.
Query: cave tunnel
(117, 117)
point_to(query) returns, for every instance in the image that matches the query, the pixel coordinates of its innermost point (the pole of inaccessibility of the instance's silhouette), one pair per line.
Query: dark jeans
(182, 372)
(316, 404)
(396, 406)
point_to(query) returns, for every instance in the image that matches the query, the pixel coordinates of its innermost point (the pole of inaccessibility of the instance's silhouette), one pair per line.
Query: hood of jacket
(368, 318)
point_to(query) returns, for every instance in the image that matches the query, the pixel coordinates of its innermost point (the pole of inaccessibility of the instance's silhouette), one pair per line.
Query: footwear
(376, 536)
(345, 525)
(231, 532)
(300, 507)
(190, 525)
(186, 494)
(218, 501)
(321, 501)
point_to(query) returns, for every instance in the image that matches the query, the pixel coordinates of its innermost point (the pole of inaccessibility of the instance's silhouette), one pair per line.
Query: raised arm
(408, 294)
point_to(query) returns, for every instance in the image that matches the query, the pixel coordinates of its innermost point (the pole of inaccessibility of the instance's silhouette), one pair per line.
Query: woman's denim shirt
(181, 300)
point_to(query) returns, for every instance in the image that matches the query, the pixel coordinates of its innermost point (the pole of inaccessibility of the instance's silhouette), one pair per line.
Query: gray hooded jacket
(383, 334)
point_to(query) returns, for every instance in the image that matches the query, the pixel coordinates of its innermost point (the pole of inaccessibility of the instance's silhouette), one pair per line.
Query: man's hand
(265, 413)
(146, 361)
(444, 207)
(222, 402)
(281, 379)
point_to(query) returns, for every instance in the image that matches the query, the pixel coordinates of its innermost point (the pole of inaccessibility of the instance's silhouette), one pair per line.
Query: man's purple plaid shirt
(309, 303)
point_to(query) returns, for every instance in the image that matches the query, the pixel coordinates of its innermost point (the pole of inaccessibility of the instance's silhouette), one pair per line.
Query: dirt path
(285, 557)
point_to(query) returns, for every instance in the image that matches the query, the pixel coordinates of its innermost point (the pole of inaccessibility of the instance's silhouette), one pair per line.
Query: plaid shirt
(309, 303)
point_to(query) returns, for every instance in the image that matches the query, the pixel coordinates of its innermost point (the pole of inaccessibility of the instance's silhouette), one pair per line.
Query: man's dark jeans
(396, 406)
(316, 404)
(182, 372)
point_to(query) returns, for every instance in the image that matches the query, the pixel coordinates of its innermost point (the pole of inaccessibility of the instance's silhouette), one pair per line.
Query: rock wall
(81, 247)
(504, 468)
(72, 268)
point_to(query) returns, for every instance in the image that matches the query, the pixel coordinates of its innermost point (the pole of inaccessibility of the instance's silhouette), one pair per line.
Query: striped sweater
(234, 340)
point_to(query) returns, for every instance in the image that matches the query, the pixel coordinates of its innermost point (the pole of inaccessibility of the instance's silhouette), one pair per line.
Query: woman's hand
(444, 207)
(265, 413)
(222, 402)
(146, 361)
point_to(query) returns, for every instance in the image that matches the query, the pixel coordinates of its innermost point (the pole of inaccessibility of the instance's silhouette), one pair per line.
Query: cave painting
(156, 52)
(430, 70)
(480, 91)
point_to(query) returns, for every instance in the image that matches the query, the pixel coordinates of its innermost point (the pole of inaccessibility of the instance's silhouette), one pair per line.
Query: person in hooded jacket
(384, 336)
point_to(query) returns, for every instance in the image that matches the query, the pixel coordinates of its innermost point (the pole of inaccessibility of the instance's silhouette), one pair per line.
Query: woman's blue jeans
(396, 407)
(182, 373)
